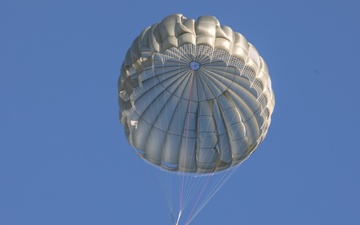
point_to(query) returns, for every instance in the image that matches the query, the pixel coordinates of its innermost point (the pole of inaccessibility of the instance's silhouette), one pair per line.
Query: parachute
(195, 101)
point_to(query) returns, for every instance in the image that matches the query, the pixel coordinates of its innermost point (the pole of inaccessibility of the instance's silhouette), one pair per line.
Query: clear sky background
(63, 155)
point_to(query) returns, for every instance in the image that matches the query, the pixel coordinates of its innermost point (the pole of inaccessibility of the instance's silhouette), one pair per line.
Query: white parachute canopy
(195, 100)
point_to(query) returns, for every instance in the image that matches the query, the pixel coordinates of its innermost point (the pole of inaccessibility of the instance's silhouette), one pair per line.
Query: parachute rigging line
(187, 138)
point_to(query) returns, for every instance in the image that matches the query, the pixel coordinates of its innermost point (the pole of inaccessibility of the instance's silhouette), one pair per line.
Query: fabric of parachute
(194, 120)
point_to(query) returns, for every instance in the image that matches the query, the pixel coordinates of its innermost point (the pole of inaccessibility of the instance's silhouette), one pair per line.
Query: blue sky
(63, 155)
